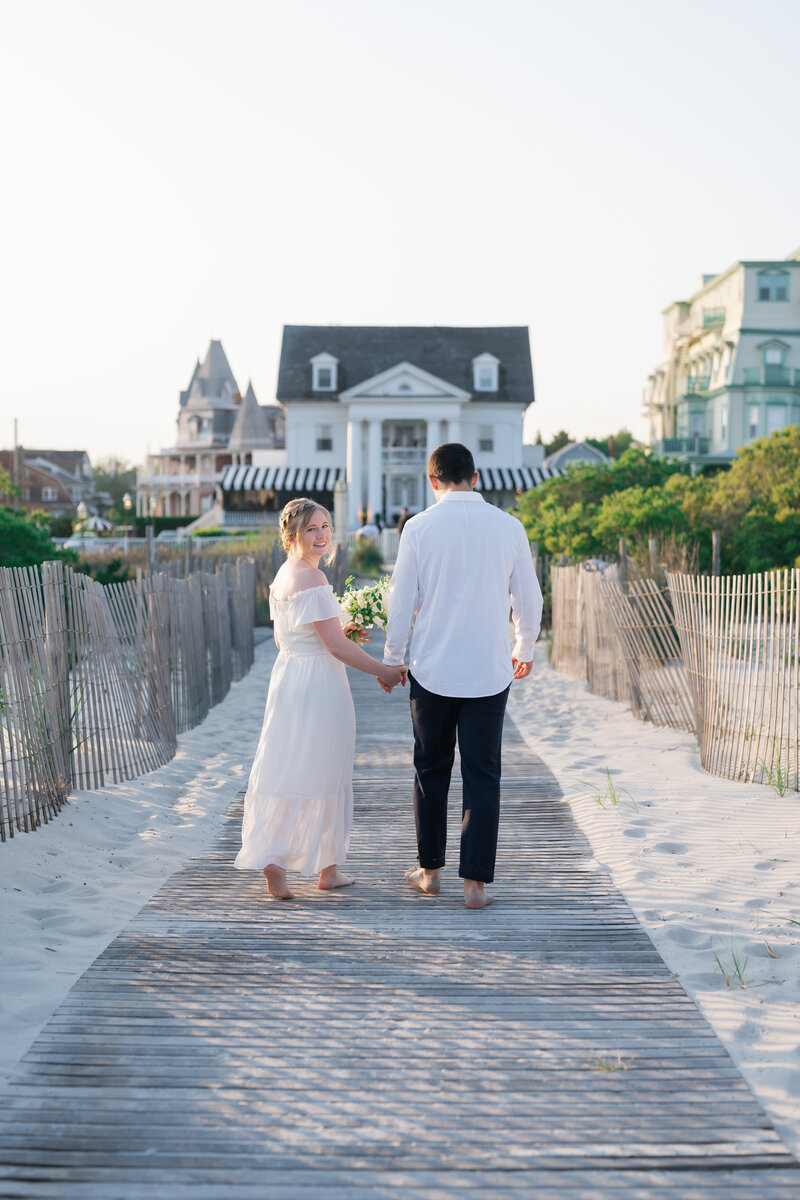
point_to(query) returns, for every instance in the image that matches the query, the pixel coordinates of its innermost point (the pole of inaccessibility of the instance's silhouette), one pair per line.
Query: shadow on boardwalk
(379, 1043)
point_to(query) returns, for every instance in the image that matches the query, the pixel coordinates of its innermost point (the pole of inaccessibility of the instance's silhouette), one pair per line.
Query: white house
(369, 403)
(731, 366)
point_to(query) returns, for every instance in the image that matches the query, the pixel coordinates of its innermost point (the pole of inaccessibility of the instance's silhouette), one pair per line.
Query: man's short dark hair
(452, 463)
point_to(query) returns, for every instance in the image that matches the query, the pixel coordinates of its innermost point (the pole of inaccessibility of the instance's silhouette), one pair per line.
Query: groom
(462, 567)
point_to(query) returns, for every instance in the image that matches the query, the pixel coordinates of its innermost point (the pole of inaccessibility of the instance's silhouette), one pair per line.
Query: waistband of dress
(304, 653)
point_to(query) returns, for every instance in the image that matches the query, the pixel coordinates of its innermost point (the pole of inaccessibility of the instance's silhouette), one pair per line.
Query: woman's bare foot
(426, 881)
(276, 882)
(332, 877)
(474, 895)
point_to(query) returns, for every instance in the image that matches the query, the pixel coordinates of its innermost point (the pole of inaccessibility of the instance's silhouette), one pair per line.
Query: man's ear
(474, 481)
(434, 482)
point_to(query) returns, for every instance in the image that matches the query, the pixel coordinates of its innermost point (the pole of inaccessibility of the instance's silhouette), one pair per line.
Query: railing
(713, 318)
(411, 455)
(180, 479)
(695, 385)
(244, 517)
(681, 445)
(771, 375)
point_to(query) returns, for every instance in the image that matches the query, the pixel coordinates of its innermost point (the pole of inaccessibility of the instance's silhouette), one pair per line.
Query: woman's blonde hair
(295, 519)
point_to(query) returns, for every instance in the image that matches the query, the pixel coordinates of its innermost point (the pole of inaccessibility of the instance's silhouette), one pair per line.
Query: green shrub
(365, 558)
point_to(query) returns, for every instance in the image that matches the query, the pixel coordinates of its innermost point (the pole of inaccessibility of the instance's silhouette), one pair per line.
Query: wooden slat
(376, 1042)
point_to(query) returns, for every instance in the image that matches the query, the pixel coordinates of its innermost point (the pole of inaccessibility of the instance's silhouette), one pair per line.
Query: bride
(299, 803)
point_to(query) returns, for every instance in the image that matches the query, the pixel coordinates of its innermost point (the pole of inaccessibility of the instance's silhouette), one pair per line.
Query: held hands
(521, 669)
(389, 677)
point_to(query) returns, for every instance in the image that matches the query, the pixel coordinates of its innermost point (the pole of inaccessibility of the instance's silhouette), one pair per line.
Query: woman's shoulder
(297, 581)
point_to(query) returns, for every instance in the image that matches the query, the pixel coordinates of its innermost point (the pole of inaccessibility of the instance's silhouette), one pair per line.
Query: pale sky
(177, 170)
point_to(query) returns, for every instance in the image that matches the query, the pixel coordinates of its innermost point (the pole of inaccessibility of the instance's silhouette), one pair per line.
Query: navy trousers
(477, 723)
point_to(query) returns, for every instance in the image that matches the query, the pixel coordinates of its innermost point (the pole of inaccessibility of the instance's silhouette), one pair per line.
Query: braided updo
(295, 519)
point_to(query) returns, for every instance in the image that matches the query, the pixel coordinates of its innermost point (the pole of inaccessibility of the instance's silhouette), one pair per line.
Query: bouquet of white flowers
(364, 607)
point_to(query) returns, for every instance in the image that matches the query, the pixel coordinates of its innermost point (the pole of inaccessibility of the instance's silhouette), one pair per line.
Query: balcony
(772, 376)
(713, 318)
(681, 446)
(696, 385)
(406, 456)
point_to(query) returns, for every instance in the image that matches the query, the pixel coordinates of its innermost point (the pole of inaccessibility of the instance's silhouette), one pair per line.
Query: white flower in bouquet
(364, 607)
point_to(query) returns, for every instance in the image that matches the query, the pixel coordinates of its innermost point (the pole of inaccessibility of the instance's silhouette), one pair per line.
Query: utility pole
(16, 469)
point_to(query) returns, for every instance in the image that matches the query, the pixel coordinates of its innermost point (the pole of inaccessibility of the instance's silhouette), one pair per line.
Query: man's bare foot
(426, 881)
(276, 882)
(332, 877)
(474, 895)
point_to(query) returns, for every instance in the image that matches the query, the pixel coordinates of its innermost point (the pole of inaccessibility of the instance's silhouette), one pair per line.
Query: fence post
(151, 549)
(189, 555)
(653, 555)
(716, 568)
(623, 559)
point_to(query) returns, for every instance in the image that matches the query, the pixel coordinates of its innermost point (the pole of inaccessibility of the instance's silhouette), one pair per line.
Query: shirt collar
(450, 497)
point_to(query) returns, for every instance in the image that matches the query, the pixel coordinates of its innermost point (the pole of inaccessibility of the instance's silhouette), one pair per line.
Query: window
(324, 373)
(486, 438)
(404, 491)
(772, 285)
(773, 356)
(697, 424)
(324, 437)
(485, 373)
(776, 414)
(49, 493)
(723, 424)
(752, 421)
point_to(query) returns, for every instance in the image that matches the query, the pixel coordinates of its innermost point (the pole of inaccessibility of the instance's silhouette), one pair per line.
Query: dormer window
(485, 373)
(773, 285)
(324, 372)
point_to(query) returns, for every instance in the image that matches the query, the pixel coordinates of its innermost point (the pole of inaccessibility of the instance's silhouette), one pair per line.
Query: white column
(353, 473)
(375, 468)
(432, 440)
(454, 430)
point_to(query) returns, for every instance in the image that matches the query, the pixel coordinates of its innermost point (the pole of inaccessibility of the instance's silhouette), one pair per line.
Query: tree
(562, 438)
(23, 541)
(615, 444)
(115, 476)
(562, 514)
(756, 504)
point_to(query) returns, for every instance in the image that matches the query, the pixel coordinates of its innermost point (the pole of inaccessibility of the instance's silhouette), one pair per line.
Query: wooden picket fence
(97, 682)
(718, 657)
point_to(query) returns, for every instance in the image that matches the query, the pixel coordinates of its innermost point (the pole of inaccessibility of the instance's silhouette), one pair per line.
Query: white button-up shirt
(462, 567)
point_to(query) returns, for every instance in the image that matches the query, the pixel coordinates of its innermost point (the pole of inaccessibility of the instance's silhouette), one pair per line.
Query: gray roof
(251, 428)
(445, 351)
(575, 452)
(210, 377)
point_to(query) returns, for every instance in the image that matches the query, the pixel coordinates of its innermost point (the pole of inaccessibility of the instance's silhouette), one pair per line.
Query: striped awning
(281, 479)
(513, 479)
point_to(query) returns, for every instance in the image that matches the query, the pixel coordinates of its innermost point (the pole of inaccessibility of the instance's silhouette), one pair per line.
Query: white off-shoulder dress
(299, 803)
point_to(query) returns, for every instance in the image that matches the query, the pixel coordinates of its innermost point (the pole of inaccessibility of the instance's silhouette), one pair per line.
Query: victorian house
(367, 404)
(730, 371)
(216, 428)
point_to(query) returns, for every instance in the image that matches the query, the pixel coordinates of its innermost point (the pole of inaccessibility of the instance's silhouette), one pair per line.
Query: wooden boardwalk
(378, 1043)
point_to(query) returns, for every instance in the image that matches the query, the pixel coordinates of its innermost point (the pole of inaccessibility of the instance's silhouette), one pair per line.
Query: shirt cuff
(392, 660)
(522, 652)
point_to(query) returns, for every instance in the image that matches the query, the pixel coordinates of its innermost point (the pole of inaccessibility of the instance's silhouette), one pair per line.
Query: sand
(70, 887)
(708, 865)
